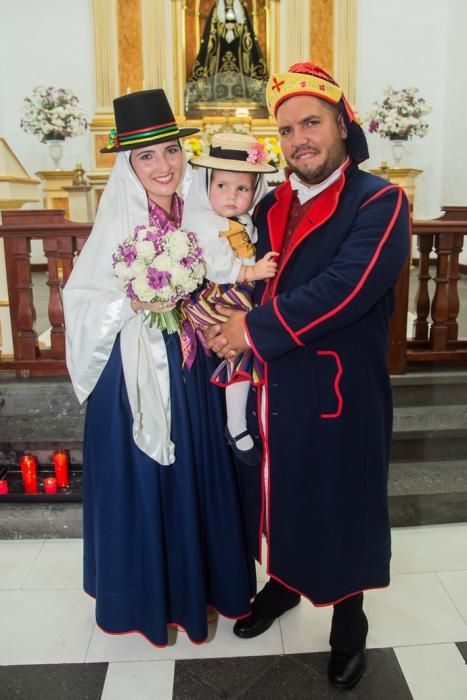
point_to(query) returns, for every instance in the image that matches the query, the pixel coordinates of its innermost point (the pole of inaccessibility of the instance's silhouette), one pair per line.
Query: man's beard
(336, 157)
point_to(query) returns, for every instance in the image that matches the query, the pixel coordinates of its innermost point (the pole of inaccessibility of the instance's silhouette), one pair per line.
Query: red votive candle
(27, 463)
(30, 481)
(61, 468)
(3, 487)
(50, 485)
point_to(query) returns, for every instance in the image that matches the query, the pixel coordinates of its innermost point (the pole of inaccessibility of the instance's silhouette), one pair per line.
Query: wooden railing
(435, 335)
(62, 239)
(435, 332)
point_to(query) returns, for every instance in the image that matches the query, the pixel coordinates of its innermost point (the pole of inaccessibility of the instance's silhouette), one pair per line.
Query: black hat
(143, 118)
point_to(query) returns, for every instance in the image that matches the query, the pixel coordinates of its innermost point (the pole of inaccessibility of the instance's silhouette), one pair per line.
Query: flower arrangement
(53, 113)
(400, 115)
(157, 266)
(273, 151)
(193, 147)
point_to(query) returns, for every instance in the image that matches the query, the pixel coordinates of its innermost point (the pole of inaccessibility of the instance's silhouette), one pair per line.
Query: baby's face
(231, 193)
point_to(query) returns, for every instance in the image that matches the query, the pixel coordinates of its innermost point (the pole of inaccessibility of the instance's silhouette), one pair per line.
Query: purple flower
(373, 126)
(158, 278)
(130, 292)
(128, 253)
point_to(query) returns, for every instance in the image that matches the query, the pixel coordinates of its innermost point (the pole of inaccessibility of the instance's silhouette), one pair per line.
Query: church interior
(213, 58)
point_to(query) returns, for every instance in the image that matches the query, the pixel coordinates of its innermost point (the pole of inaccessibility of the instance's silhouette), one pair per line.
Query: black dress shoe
(344, 671)
(255, 624)
(252, 457)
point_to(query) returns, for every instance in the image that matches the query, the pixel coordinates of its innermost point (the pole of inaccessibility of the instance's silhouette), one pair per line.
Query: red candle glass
(30, 481)
(61, 468)
(27, 463)
(50, 485)
(3, 487)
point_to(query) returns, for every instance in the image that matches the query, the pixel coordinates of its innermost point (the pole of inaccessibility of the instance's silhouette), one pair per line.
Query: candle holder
(3, 487)
(50, 485)
(60, 458)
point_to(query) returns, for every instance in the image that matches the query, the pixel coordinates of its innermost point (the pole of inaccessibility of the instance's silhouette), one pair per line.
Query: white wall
(45, 42)
(404, 44)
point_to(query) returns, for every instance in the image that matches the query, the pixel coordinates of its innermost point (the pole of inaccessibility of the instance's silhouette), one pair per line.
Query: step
(430, 388)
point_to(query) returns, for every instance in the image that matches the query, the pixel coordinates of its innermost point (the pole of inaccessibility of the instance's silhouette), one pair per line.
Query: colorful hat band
(228, 154)
(150, 133)
(281, 86)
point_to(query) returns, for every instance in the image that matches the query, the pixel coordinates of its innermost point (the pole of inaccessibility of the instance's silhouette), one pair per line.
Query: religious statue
(229, 65)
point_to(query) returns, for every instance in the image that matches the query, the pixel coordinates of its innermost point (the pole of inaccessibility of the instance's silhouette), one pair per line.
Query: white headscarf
(96, 311)
(222, 265)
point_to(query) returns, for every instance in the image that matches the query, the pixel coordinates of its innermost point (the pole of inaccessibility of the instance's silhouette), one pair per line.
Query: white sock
(236, 396)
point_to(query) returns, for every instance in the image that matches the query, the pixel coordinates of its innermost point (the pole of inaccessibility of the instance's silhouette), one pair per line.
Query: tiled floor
(51, 649)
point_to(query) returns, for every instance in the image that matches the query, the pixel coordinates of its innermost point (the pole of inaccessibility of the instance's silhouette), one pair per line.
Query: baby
(223, 192)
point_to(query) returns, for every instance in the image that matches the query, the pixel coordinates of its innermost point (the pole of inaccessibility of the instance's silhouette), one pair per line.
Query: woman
(163, 535)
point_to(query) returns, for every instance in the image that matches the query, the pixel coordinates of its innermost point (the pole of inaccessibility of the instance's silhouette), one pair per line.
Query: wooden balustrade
(62, 239)
(435, 330)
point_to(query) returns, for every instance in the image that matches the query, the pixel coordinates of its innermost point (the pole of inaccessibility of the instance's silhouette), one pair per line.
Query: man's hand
(227, 339)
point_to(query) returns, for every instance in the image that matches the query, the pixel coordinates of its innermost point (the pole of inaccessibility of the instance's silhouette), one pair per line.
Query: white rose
(121, 271)
(177, 245)
(136, 268)
(142, 289)
(180, 277)
(145, 250)
(162, 262)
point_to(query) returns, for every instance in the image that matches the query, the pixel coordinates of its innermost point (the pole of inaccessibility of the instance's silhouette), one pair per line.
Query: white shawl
(96, 311)
(222, 265)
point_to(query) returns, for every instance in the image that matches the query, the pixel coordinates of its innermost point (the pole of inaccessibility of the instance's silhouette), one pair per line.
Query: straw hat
(237, 153)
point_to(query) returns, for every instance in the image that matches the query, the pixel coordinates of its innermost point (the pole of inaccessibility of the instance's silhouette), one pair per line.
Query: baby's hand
(266, 267)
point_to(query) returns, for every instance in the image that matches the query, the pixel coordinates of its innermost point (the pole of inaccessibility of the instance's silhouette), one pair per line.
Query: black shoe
(344, 671)
(255, 624)
(252, 457)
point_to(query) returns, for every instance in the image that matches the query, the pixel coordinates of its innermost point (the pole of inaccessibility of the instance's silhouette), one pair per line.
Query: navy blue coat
(324, 340)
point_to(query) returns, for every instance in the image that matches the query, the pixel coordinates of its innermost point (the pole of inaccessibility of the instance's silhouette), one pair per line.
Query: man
(321, 329)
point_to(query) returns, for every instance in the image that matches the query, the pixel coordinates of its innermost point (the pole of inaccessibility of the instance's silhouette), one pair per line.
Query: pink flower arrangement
(256, 154)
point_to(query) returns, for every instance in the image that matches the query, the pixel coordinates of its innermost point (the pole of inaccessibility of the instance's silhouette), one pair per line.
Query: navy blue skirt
(162, 542)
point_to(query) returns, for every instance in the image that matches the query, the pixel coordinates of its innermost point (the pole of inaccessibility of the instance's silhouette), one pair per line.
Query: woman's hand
(156, 306)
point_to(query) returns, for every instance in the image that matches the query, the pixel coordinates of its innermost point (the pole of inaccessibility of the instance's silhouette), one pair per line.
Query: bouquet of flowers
(400, 115)
(157, 266)
(273, 151)
(193, 147)
(53, 113)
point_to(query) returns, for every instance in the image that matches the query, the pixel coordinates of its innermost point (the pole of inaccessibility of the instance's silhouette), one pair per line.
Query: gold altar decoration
(53, 182)
(405, 177)
(154, 49)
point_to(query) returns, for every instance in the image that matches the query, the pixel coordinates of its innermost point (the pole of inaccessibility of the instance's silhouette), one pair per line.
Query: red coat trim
(340, 400)
(321, 209)
(285, 324)
(363, 278)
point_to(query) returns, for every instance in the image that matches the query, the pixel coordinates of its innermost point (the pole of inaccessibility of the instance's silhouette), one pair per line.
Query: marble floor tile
(17, 558)
(221, 643)
(429, 548)
(455, 583)
(45, 627)
(306, 628)
(59, 565)
(414, 610)
(434, 672)
(139, 680)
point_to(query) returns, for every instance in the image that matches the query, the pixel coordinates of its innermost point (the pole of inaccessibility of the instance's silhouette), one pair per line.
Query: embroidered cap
(237, 153)
(141, 119)
(309, 79)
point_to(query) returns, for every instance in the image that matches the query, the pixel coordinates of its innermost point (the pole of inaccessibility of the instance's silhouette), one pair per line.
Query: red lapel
(321, 209)
(278, 215)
